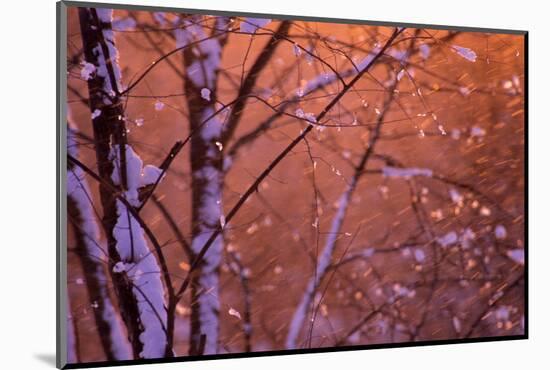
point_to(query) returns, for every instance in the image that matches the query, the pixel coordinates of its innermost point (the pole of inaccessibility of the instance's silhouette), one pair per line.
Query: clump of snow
(500, 232)
(465, 53)
(205, 93)
(137, 176)
(448, 239)
(407, 173)
(251, 25)
(310, 117)
(88, 69)
(517, 255)
(121, 267)
(150, 174)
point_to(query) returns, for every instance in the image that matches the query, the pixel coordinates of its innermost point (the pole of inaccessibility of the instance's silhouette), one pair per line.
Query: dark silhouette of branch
(279, 158)
(250, 81)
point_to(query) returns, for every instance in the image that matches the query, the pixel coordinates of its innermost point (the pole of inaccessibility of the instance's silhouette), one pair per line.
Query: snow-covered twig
(324, 260)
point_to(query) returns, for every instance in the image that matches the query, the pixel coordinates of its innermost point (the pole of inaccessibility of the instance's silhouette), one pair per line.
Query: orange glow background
(480, 107)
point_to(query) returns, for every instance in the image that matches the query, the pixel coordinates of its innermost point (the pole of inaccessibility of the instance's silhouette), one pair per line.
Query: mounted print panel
(242, 185)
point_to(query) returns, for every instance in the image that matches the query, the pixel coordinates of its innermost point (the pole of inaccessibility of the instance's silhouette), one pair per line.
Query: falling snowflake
(464, 91)
(500, 232)
(484, 211)
(297, 50)
(159, 105)
(517, 255)
(502, 313)
(419, 255)
(234, 312)
(425, 50)
(455, 133)
(456, 324)
(448, 239)
(465, 53)
(477, 131)
(456, 197)
(96, 113)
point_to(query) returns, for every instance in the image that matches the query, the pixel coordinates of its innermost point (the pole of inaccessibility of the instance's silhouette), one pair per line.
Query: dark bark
(201, 72)
(109, 128)
(90, 268)
(250, 81)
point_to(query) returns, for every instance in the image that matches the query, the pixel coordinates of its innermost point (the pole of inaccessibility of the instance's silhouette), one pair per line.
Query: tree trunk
(92, 258)
(201, 74)
(131, 264)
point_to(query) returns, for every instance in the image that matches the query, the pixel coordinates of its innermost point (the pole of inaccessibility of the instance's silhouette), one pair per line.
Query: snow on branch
(406, 173)
(325, 79)
(323, 263)
(93, 257)
(202, 72)
(107, 56)
(202, 63)
(137, 259)
(251, 25)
